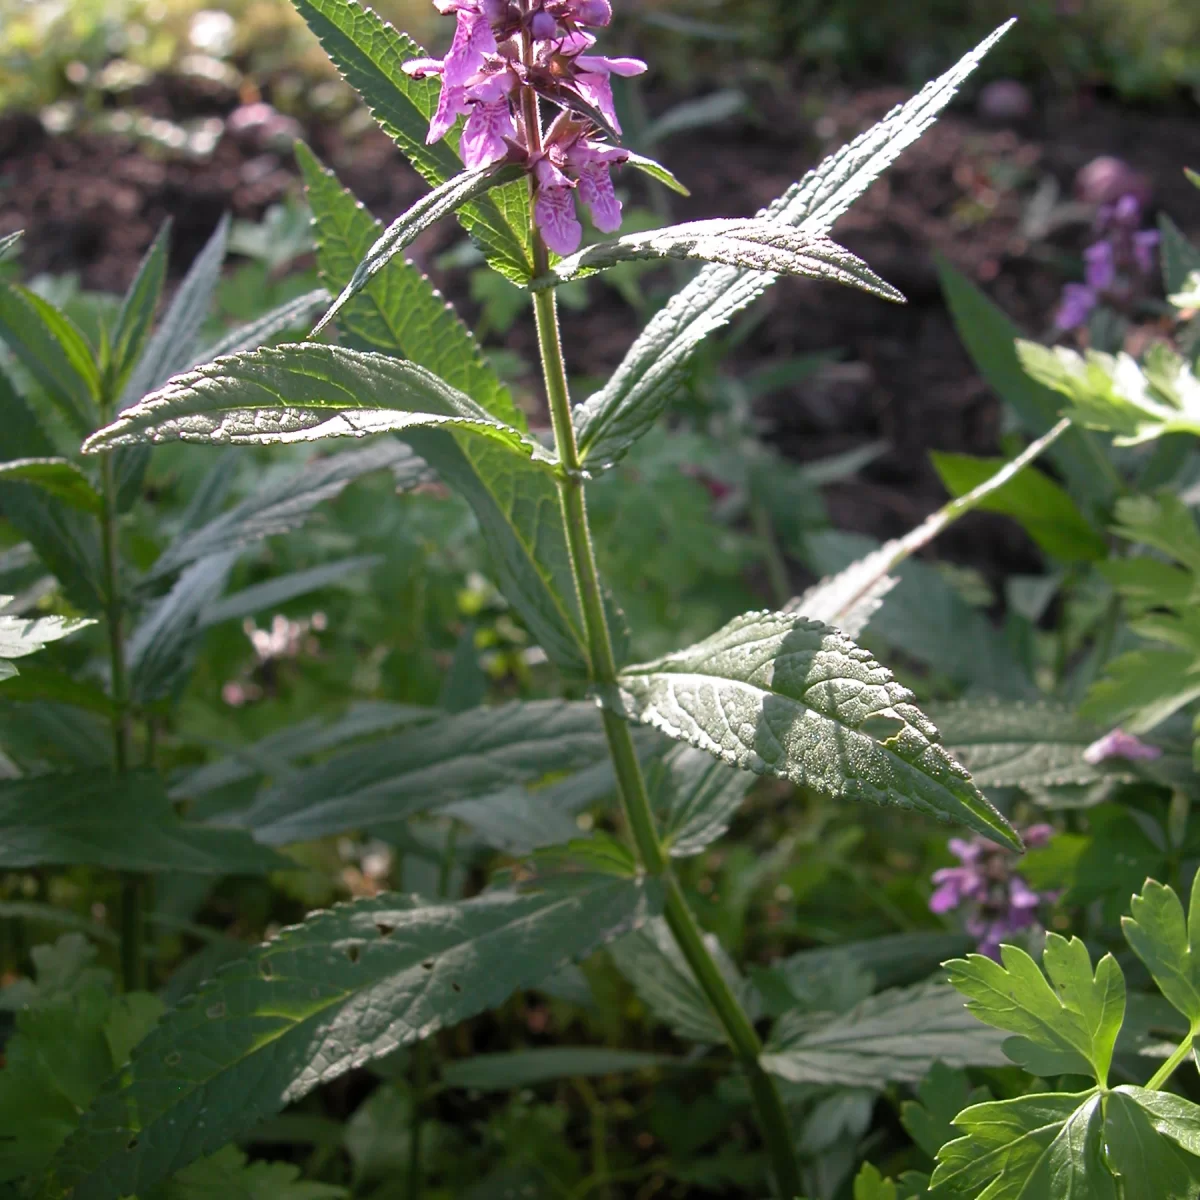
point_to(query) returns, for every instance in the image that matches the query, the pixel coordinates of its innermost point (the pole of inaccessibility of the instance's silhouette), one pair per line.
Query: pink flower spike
(473, 42)
(589, 12)
(1119, 744)
(554, 212)
(483, 139)
(1101, 269)
(1145, 243)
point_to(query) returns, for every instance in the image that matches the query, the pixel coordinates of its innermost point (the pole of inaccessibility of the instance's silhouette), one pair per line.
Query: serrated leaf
(53, 351)
(303, 393)
(611, 420)
(173, 343)
(139, 306)
(292, 314)
(526, 1068)
(380, 785)
(869, 1184)
(941, 1096)
(1148, 1165)
(1020, 745)
(369, 53)
(406, 228)
(992, 340)
(1141, 689)
(1179, 257)
(24, 436)
(228, 1175)
(924, 617)
(698, 798)
(346, 987)
(1044, 1145)
(1170, 948)
(399, 311)
(1042, 508)
(287, 501)
(781, 695)
(1068, 1028)
(271, 593)
(851, 597)
(57, 477)
(1161, 521)
(123, 822)
(653, 963)
(756, 245)
(278, 751)
(160, 649)
(20, 636)
(893, 1036)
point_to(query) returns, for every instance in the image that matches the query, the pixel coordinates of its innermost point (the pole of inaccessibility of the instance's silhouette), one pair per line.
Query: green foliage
(21, 636)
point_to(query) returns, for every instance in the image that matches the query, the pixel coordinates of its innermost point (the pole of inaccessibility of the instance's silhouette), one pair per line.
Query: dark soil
(91, 203)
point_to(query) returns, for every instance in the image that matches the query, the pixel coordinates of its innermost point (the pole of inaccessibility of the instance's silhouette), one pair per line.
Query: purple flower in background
(998, 901)
(1116, 268)
(501, 50)
(1119, 744)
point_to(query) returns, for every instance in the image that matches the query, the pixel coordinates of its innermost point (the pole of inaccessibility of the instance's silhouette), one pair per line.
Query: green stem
(133, 886)
(1172, 1064)
(772, 1117)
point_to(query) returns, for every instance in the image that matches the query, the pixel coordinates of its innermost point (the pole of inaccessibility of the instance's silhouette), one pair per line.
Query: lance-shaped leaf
(895, 1036)
(779, 694)
(657, 172)
(1168, 946)
(56, 476)
(271, 593)
(526, 1068)
(122, 822)
(286, 502)
(406, 228)
(1044, 1145)
(303, 393)
(53, 351)
(8, 243)
(292, 314)
(754, 244)
(476, 753)
(1067, 1028)
(610, 421)
(369, 53)
(20, 636)
(139, 306)
(1179, 257)
(697, 797)
(1021, 745)
(346, 987)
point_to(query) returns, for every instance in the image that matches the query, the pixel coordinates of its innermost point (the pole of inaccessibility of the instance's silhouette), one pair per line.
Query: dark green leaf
(406, 228)
(611, 420)
(59, 478)
(1179, 257)
(54, 352)
(657, 172)
(526, 1068)
(1168, 946)
(369, 53)
(893, 1036)
(380, 785)
(139, 306)
(227, 1175)
(346, 987)
(303, 393)
(124, 823)
(1067, 1028)
(1044, 510)
(754, 244)
(698, 797)
(942, 1095)
(781, 695)
(273, 592)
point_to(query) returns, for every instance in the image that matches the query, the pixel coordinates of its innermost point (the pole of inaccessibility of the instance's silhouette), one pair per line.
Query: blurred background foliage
(1139, 49)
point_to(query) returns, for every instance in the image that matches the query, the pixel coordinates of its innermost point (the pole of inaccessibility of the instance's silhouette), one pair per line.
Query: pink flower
(1119, 744)
(1076, 305)
(473, 42)
(1101, 269)
(1145, 243)
(589, 74)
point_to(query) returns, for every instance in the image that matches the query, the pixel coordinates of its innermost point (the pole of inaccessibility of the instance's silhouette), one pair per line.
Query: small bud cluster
(998, 901)
(1117, 266)
(501, 52)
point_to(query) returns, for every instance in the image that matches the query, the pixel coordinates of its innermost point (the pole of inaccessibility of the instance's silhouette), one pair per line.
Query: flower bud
(543, 26)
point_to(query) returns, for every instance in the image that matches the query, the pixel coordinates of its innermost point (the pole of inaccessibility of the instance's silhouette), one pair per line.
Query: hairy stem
(772, 1117)
(133, 886)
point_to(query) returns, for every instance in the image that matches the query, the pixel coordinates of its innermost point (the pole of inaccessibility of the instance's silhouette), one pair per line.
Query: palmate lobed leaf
(754, 244)
(20, 636)
(346, 987)
(1169, 947)
(1068, 1028)
(778, 694)
(302, 393)
(611, 420)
